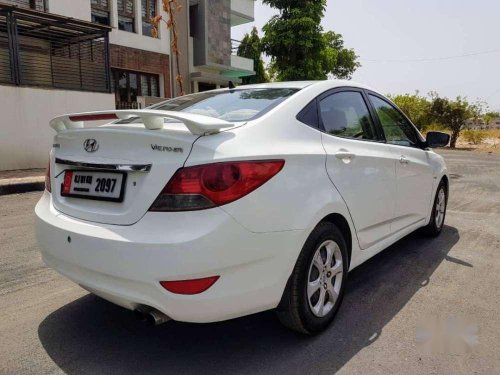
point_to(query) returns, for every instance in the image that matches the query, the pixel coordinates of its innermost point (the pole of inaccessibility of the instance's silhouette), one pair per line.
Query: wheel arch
(446, 182)
(341, 222)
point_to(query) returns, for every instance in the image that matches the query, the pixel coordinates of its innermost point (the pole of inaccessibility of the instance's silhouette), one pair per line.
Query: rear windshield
(230, 105)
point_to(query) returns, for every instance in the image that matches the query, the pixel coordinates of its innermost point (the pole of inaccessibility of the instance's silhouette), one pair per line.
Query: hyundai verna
(225, 203)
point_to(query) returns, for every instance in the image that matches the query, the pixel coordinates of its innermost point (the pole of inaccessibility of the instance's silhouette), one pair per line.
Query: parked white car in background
(224, 203)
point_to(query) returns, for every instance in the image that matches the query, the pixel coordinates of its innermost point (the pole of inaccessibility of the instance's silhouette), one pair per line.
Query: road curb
(22, 187)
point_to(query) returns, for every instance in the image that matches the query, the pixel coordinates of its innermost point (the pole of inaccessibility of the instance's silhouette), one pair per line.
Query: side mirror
(437, 139)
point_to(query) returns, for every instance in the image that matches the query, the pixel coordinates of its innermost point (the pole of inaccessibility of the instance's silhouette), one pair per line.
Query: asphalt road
(49, 325)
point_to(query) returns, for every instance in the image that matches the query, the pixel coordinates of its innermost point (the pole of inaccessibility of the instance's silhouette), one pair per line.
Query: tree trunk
(454, 136)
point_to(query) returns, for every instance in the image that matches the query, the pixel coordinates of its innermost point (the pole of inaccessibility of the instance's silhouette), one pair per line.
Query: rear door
(413, 171)
(361, 167)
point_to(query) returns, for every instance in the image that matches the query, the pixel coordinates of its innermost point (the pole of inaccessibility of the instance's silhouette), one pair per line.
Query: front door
(413, 170)
(360, 166)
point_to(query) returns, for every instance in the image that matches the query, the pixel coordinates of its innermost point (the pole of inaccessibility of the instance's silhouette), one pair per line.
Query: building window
(205, 86)
(148, 11)
(129, 85)
(193, 15)
(100, 12)
(126, 15)
(150, 85)
(39, 5)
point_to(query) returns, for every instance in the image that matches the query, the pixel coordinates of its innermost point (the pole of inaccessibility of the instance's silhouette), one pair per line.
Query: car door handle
(403, 160)
(345, 156)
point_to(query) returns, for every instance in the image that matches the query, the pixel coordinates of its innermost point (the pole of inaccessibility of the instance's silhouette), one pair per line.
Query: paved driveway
(49, 325)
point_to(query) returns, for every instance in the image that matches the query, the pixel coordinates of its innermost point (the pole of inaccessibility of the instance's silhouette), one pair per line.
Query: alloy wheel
(440, 208)
(325, 278)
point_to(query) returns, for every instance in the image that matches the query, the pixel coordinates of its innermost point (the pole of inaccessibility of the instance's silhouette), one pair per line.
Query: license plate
(106, 186)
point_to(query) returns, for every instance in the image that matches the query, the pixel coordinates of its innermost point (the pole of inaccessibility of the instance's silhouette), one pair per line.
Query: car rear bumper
(124, 264)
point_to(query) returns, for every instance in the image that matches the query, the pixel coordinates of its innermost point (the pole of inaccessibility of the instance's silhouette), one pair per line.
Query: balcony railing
(41, 49)
(128, 105)
(234, 46)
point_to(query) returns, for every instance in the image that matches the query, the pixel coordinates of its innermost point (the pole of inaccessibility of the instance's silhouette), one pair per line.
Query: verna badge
(90, 145)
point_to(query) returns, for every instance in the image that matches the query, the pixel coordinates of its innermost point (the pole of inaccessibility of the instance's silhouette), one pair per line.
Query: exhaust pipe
(151, 315)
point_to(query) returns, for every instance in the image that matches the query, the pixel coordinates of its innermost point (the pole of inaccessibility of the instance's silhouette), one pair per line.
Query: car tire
(300, 308)
(436, 223)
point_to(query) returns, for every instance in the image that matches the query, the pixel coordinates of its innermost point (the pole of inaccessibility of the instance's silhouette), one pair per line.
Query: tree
(416, 107)
(338, 61)
(250, 47)
(453, 114)
(298, 47)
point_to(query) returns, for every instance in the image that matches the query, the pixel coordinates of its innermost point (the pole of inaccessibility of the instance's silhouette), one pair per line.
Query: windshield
(230, 105)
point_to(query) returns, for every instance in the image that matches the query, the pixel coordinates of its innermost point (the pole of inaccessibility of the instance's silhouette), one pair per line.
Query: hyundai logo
(90, 145)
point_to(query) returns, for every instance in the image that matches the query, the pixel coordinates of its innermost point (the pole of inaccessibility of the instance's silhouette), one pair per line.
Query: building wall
(212, 37)
(219, 32)
(25, 135)
(242, 10)
(143, 61)
(79, 9)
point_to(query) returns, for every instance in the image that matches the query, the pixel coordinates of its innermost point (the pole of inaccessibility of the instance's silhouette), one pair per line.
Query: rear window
(230, 105)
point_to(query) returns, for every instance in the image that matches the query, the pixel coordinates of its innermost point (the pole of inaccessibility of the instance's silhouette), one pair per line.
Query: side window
(345, 114)
(397, 129)
(309, 115)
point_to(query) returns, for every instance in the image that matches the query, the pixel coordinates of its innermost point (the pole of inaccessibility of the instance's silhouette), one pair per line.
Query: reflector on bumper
(194, 286)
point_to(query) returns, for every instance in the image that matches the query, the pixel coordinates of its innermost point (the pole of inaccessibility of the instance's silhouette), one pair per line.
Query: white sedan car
(229, 202)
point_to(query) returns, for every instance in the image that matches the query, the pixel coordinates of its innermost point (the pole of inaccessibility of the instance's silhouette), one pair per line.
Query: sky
(405, 45)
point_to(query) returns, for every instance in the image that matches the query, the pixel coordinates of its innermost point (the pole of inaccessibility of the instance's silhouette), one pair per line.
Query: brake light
(48, 186)
(194, 286)
(212, 185)
(94, 117)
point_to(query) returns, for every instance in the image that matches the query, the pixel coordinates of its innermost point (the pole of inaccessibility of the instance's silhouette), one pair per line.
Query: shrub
(474, 136)
(493, 133)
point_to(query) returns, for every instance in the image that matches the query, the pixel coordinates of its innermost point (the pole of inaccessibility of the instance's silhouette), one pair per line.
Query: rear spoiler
(152, 119)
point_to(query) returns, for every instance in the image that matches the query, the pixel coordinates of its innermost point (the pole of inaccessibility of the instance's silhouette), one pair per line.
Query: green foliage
(337, 60)
(251, 48)
(453, 114)
(488, 116)
(298, 47)
(435, 113)
(474, 136)
(416, 107)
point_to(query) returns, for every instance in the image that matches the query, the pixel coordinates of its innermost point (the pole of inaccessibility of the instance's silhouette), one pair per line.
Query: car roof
(326, 84)
(275, 85)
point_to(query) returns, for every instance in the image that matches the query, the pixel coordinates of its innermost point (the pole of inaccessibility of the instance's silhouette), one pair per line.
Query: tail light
(48, 186)
(212, 185)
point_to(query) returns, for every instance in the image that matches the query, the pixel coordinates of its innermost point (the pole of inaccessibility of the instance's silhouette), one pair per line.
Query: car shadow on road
(90, 335)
